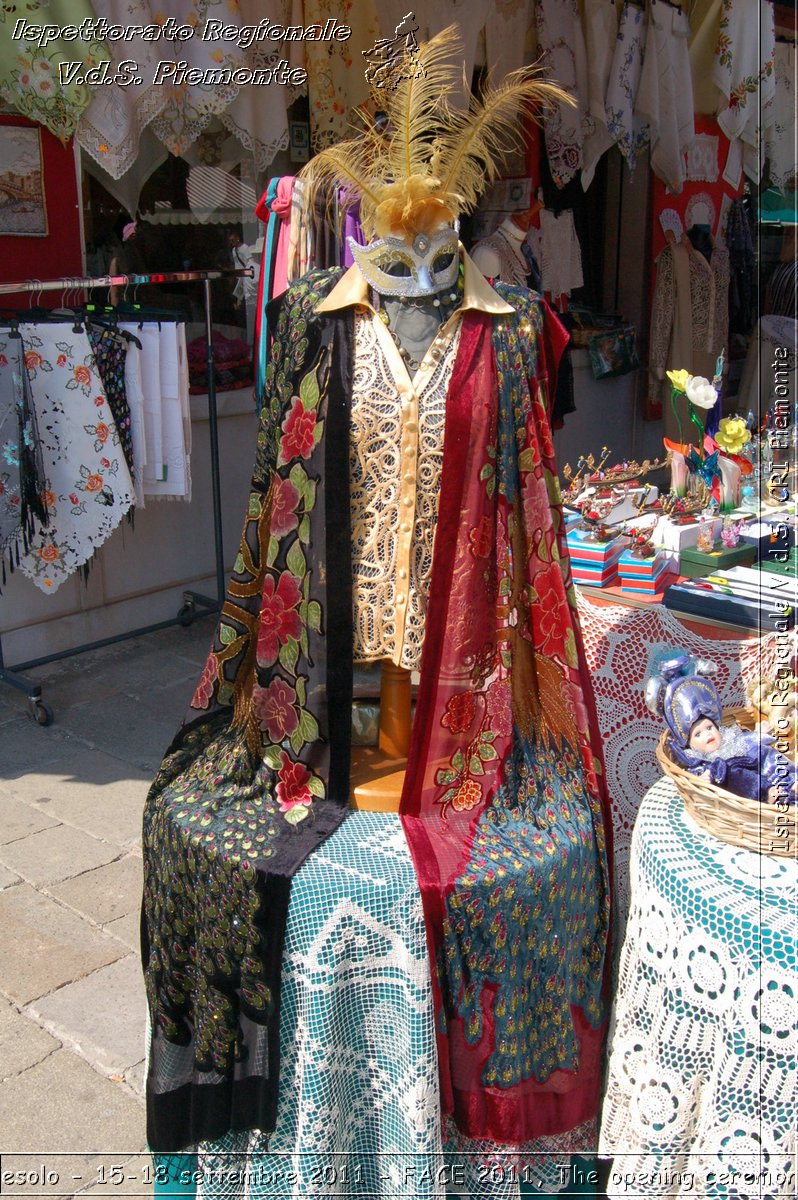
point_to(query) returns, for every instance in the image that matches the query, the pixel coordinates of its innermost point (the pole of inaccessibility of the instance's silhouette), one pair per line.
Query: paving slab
(137, 735)
(43, 945)
(171, 703)
(105, 894)
(22, 1042)
(91, 790)
(23, 742)
(128, 928)
(17, 819)
(62, 1104)
(7, 878)
(135, 1077)
(103, 1017)
(57, 853)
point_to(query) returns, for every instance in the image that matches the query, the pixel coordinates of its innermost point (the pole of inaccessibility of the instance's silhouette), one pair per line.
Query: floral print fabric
(88, 488)
(29, 78)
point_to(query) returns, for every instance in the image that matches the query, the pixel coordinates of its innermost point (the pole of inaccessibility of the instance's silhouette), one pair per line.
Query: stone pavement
(72, 1012)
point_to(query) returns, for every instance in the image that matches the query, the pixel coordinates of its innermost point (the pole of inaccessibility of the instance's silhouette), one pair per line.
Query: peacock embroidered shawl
(503, 808)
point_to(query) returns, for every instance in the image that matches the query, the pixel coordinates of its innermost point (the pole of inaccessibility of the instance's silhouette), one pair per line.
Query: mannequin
(499, 256)
(399, 509)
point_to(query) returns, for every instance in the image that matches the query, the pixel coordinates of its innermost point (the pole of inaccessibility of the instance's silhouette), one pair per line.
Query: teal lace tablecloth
(359, 1109)
(701, 1099)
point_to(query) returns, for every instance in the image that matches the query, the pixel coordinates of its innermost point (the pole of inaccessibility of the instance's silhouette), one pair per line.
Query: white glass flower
(700, 392)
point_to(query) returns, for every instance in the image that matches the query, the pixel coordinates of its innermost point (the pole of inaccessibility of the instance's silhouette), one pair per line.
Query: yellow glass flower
(679, 379)
(732, 435)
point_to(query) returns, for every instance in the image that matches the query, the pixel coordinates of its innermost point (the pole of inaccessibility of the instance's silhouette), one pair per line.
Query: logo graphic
(390, 60)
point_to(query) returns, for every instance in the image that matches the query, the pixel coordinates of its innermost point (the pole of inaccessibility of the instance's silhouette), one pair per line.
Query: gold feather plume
(432, 161)
(473, 143)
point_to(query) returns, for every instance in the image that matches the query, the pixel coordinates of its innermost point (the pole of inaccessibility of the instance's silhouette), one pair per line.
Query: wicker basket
(750, 824)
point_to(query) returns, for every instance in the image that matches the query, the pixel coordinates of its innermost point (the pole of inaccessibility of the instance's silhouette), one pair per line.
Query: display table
(702, 1094)
(359, 1104)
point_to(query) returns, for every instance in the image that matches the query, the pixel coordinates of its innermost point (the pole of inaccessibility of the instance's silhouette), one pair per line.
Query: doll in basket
(742, 761)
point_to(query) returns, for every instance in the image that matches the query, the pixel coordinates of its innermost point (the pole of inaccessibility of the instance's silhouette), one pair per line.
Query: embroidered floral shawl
(502, 805)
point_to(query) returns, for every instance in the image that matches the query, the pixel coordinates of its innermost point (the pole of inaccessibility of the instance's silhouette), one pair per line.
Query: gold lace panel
(395, 456)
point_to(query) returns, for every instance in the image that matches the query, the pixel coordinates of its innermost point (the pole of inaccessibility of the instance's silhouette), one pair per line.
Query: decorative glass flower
(679, 380)
(732, 435)
(700, 392)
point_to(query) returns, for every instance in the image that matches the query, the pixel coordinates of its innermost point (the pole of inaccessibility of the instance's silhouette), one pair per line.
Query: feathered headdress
(431, 162)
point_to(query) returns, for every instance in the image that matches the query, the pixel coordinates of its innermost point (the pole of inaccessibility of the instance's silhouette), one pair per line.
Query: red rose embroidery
(297, 440)
(546, 618)
(61, 360)
(93, 483)
(460, 712)
(285, 499)
(293, 784)
(99, 401)
(104, 462)
(102, 433)
(82, 375)
(279, 618)
(274, 706)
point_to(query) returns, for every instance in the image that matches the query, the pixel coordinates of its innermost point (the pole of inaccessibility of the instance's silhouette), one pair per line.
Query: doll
(742, 761)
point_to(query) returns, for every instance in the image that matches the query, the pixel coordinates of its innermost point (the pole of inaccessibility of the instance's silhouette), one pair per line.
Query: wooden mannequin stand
(378, 772)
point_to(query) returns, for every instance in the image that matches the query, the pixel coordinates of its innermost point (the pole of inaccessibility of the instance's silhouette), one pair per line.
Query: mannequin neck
(414, 325)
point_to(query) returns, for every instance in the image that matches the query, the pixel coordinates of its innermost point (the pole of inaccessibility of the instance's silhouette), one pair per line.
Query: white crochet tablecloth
(701, 1098)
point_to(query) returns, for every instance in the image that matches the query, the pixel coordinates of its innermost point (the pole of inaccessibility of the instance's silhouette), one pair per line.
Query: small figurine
(742, 761)
(706, 539)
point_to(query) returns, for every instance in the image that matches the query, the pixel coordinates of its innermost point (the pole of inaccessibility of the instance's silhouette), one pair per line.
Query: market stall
(523, 318)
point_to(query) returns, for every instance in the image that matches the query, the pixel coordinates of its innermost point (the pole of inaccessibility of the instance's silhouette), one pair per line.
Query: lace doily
(701, 1095)
(359, 1106)
(621, 645)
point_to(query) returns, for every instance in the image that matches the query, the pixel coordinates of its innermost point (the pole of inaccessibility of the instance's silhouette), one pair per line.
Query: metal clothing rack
(41, 712)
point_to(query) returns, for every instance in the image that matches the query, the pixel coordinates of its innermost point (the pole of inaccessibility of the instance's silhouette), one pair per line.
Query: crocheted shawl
(502, 807)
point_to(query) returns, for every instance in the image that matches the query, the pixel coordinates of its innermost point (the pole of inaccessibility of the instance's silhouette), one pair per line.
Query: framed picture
(299, 150)
(23, 209)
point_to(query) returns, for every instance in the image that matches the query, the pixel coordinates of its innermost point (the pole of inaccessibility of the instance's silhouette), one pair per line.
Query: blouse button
(408, 500)
(402, 573)
(400, 598)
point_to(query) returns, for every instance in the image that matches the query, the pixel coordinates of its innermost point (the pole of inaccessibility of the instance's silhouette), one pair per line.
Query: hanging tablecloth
(626, 129)
(743, 71)
(89, 488)
(564, 61)
(702, 1090)
(665, 96)
(29, 70)
(359, 1105)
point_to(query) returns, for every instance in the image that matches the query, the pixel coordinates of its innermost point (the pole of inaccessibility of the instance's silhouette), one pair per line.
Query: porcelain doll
(739, 760)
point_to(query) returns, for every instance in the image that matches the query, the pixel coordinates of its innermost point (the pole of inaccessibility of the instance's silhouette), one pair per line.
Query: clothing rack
(41, 712)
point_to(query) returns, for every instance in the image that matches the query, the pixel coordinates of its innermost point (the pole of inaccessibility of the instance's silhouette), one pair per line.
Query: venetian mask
(395, 268)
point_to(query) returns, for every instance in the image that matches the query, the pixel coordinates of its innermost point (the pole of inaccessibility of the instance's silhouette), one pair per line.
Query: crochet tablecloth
(701, 1099)
(359, 1105)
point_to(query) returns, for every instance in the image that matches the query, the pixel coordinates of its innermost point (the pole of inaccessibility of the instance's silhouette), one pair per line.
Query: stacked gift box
(594, 563)
(644, 576)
